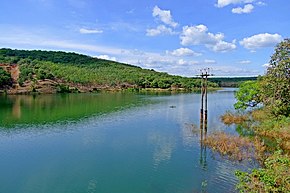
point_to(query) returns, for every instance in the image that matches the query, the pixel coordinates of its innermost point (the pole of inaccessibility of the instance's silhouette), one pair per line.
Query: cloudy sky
(231, 37)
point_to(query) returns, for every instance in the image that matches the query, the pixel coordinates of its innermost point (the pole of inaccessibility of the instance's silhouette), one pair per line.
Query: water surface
(111, 143)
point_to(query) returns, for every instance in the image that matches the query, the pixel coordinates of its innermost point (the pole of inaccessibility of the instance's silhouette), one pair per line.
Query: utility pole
(203, 116)
(203, 110)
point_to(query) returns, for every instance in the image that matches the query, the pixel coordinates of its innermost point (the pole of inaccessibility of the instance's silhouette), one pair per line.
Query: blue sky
(231, 37)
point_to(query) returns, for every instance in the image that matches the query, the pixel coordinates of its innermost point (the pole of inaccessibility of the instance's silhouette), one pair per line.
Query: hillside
(230, 81)
(55, 71)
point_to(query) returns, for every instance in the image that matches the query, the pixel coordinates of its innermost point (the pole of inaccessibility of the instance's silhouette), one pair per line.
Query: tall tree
(275, 89)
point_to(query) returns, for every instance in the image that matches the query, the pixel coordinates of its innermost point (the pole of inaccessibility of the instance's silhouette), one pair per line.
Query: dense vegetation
(270, 124)
(231, 81)
(88, 71)
(264, 128)
(273, 89)
(5, 78)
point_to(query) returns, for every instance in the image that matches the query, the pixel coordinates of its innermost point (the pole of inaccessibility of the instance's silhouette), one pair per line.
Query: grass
(230, 118)
(274, 128)
(234, 147)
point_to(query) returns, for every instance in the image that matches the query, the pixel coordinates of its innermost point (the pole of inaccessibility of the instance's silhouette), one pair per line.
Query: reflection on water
(111, 143)
(203, 163)
(35, 109)
(163, 147)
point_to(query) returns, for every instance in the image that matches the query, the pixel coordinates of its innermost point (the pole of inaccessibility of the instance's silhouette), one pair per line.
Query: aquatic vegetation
(233, 147)
(232, 118)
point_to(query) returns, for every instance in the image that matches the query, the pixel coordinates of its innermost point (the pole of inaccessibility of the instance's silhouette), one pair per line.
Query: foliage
(275, 87)
(5, 78)
(275, 177)
(278, 130)
(248, 95)
(63, 88)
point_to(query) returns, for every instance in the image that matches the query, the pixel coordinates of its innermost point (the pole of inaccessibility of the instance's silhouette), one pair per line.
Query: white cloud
(181, 62)
(38, 42)
(246, 9)
(222, 46)
(223, 3)
(199, 35)
(183, 52)
(261, 3)
(90, 31)
(244, 62)
(261, 40)
(160, 30)
(233, 71)
(106, 57)
(122, 26)
(164, 16)
(207, 61)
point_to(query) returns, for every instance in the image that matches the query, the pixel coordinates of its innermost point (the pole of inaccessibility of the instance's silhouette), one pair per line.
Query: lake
(112, 143)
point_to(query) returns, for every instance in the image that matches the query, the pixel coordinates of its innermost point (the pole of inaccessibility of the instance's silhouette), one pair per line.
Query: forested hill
(52, 71)
(231, 81)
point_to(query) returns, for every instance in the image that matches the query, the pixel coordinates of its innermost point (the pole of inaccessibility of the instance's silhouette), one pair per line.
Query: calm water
(111, 143)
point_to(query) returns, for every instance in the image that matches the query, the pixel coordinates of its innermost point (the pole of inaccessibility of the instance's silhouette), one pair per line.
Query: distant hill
(55, 71)
(230, 81)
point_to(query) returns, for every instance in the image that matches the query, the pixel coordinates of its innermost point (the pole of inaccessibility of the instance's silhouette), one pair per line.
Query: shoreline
(93, 89)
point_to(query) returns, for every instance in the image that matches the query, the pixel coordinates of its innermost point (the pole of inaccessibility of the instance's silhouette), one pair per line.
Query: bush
(275, 177)
(5, 78)
(63, 88)
(248, 95)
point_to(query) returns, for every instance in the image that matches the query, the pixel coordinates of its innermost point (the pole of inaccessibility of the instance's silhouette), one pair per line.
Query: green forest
(76, 69)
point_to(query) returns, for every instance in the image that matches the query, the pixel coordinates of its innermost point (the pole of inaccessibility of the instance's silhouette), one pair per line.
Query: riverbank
(48, 86)
(264, 138)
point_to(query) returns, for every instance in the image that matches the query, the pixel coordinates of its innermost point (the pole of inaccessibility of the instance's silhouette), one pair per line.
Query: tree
(5, 78)
(275, 86)
(248, 95)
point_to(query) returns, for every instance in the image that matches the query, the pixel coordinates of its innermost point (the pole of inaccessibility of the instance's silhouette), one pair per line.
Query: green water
(111, 143)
